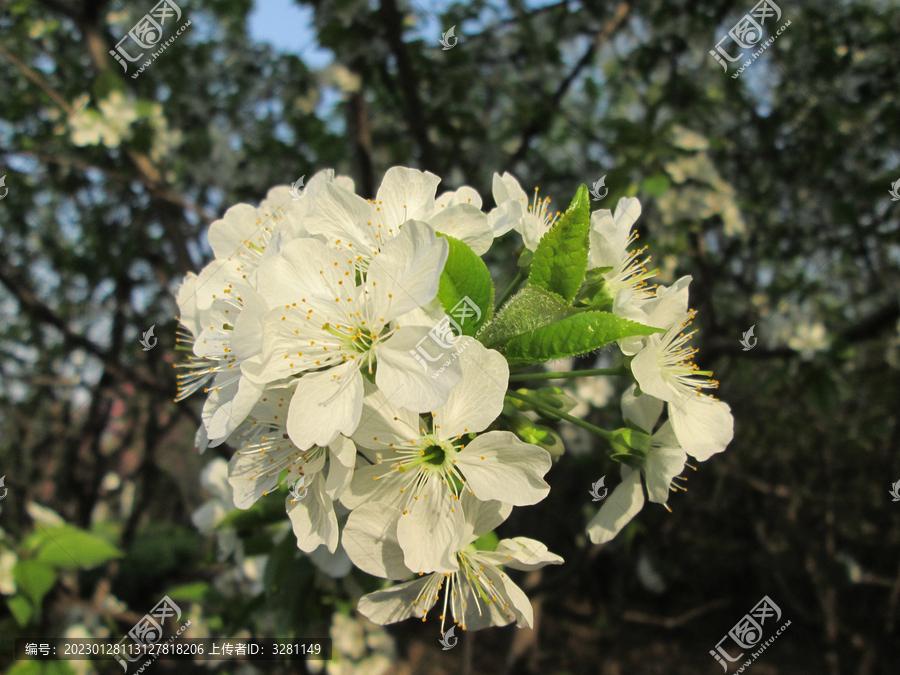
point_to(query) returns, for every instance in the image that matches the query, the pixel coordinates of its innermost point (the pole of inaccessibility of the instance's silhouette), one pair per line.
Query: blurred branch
(409, 83)
(147, 173)
(676, 621)
(38, 80)
(30, 303)
(541, 122)
(157, 191)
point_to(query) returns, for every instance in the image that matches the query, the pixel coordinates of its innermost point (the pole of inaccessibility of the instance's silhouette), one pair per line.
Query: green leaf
(529, 309)
(195, 592)
(68, 547)
(487, 542)
(466, 276)
(34, 579)
(20, 608)
(577, 334)
(561, 258)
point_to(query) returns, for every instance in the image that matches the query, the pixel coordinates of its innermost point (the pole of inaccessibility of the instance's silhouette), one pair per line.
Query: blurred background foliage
(771, 190)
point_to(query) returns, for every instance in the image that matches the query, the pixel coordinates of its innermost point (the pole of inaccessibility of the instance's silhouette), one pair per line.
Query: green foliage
(159, 551)
(67, 547)
(577, 334)
(466, 275)
(487, 542)
(561, 258)
(20, 608)
(34, 579)
(630, 446)
(529, 309)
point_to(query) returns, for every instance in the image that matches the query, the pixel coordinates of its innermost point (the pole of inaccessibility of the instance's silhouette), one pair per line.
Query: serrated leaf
(68, 547)
(466, 276)
(561, 258)
(529, 309)
(577, 334)
(34, 579)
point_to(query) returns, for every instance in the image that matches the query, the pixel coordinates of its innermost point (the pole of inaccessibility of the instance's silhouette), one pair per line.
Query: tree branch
(541, 122)
(409, 83)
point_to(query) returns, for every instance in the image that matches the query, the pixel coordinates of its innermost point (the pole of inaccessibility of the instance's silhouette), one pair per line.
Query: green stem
(521, 276)
(619, 370)
(550, 410)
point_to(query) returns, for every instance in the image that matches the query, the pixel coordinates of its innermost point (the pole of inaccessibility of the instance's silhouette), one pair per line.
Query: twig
(675, 621)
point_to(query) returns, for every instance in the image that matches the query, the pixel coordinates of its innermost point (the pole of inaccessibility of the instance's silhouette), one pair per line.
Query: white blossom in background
(8, 560)
(665, 460)
(809, 339)
(513, 211)
(423, 468)
(478, 592)
(247, 573)
(359, 647)
(664, 369)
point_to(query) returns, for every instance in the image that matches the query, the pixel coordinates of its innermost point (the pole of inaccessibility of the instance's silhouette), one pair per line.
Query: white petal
(642, 410)
(336, 565)
(407, 272)
(522, 553)
(344, 450)
(250, 477)
(246, 337)
(620, 507)
(466, 223)
(370, 539)
(518, 601)
(377, 483)
(477, 400)
(661, 466)
(324, 405)
(401, 377)
(313, 518)
(396, 603)
(463, 195)
(610, 233)
(384, 426)
(406, 194)
(669, 306)
(231, 234)
(337, 213)
(339, 476)
(304, 269)
(497, 465)
(481, 516)
(231, 410)
(430, 533)
(646, 370)
(186, 296)
(479, 614)
(703, 426)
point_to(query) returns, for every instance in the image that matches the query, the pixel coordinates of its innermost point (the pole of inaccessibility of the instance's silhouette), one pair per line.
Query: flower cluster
(661, 364)
(313, 333)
